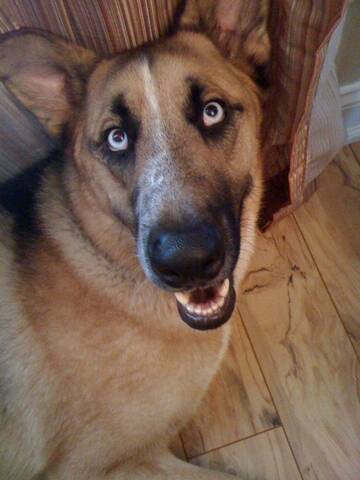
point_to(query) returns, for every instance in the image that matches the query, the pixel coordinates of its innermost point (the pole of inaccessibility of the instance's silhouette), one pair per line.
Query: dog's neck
(102, 252)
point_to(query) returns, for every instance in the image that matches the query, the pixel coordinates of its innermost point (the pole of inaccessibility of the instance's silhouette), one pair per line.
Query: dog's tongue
(204, 302)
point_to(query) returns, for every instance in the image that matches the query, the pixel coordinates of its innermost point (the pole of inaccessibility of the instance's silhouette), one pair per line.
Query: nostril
(168, 272)
(213, 264)
(210, 262)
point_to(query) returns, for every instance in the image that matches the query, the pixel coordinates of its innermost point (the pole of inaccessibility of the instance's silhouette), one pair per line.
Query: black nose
(186, 257)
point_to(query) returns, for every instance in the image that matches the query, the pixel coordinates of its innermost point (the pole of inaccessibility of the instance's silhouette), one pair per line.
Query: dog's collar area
(207, 308)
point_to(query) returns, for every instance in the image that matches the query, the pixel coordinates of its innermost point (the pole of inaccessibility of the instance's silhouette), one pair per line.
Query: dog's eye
(213, 113)
(117, 140)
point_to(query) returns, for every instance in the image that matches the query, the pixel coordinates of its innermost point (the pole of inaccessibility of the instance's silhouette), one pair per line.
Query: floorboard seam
(256, 434)
(357, 159)
(271, 396)
(327, 289)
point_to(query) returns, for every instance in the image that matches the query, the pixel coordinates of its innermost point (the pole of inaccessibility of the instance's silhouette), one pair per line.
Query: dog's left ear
(237, 27)
(46, 73)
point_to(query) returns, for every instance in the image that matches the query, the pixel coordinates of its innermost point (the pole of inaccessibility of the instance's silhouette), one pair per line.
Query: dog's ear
(237, 27)
(46, 73)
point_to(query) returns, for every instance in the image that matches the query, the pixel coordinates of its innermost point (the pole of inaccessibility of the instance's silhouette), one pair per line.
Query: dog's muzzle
(189, 261)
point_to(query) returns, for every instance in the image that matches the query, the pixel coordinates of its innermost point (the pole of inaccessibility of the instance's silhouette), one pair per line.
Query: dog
(121, 253)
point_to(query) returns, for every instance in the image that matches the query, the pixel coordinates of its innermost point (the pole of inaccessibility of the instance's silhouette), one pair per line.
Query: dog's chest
(122, 382)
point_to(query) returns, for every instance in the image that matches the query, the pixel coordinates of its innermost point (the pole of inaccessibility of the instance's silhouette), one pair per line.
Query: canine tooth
(216, 303)
(182, 297)
(224, 289)
(220, 302)
(214, 306)
(190, 308)
(198, 310)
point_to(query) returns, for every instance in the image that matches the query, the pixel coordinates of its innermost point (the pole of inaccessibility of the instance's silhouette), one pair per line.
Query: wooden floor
(286, 404)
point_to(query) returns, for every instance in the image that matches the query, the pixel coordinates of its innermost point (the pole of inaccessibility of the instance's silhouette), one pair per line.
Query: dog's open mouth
(207, 308)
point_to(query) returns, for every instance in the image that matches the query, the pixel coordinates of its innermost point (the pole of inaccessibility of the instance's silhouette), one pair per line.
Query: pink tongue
(203, 295)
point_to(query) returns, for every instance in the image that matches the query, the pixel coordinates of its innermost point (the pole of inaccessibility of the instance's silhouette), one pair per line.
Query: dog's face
(173, 133)
(167, 142)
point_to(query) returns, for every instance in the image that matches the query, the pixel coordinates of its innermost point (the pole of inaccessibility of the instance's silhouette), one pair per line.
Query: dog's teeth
(190, 308)
(224, 289)
(182, 297)
(204, 310)
(214, 309)
(220, 302)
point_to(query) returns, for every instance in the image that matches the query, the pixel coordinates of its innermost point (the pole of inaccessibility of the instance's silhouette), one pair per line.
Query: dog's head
(166, 139)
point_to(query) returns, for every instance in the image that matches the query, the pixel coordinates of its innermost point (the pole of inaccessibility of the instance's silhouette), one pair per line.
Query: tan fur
(97, 371)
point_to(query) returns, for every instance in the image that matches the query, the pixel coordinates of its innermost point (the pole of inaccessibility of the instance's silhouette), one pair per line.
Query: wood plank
(238, 403)
(307, 358)
(355, 147)
(266, 456)
(330, 223)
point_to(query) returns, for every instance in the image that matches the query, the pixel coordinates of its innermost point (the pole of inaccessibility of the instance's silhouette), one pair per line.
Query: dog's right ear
(46, 73)
(237, 27)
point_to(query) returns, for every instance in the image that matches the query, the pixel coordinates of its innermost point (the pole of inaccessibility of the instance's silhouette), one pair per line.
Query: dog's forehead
(140, 81)
(128, 74)
(166, 66)
(157, 80)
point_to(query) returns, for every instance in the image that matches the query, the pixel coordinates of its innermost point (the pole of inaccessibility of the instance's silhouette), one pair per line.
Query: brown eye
(118, 140)
(213, 113)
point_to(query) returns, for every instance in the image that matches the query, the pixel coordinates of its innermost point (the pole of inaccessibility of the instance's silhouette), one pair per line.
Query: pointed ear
(237, 27)
(46, 73)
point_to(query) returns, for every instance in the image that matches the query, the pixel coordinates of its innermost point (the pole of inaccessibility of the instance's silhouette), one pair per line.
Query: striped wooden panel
(105, 26)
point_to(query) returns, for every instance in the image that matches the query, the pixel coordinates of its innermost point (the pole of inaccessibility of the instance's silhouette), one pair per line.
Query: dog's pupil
(118, 136)
(211, 110)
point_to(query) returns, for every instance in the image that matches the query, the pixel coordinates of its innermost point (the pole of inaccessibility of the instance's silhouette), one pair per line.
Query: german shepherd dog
(120, 254)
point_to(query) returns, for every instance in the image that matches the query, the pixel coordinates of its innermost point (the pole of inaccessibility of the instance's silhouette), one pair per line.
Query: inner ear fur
(237, 27)
(46, 73)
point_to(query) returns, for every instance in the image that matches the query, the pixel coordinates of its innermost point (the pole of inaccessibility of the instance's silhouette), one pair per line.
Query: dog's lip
(201, 313)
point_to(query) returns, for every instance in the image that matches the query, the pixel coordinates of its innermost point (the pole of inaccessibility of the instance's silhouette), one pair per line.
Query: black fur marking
(196, 104)
(131, 125)
(18, 198)
(120, 163)
(128, 120)
(229, 207)
(194, 113)
(198, 27)
(175, 27)
(262, 76)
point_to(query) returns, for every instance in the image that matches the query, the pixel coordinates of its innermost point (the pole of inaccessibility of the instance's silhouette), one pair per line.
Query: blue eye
(118, 140)
(213, 113)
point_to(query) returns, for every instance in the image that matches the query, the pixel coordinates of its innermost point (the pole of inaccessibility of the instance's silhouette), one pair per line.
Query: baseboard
(350, 95)
(350, 105)
(353, 134)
